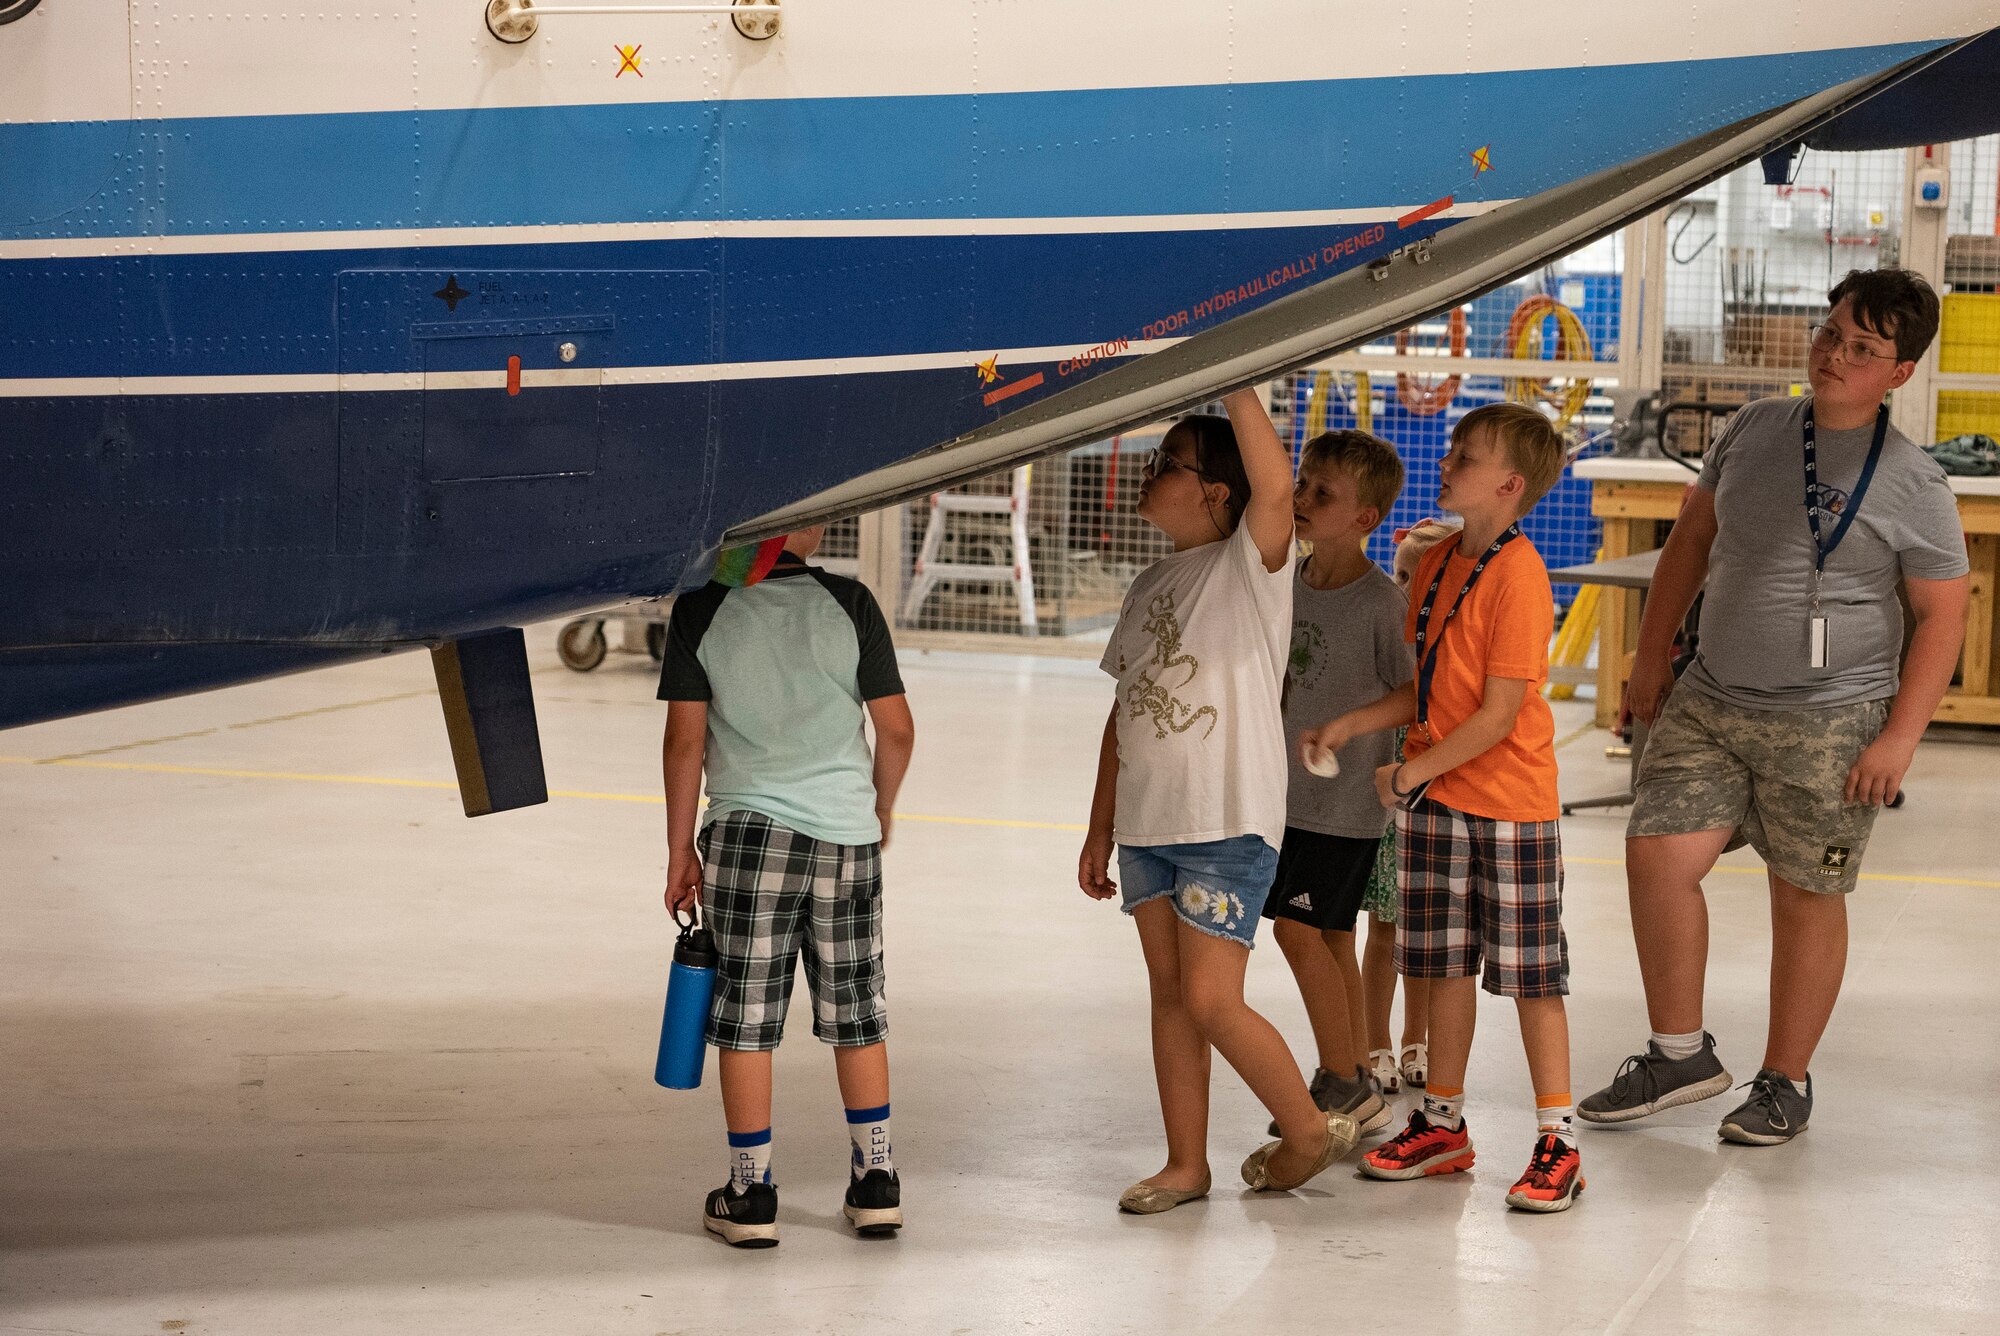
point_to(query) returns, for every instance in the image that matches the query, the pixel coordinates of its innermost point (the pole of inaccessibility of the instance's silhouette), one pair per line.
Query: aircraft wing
(1470, 258)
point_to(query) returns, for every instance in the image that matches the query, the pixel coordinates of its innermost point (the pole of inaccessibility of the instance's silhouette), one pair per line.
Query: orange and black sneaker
(1554, 1179)
(1421, 1148)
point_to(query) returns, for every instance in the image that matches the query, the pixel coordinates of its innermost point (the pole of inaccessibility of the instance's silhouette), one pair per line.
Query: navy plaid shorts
(770, 894)
(1474, 889)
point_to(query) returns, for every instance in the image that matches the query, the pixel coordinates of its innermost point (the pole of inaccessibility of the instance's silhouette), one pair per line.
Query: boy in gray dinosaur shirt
(1791, 723)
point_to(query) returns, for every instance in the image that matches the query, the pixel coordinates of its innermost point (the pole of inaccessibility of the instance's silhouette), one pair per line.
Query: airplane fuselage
(323, 335)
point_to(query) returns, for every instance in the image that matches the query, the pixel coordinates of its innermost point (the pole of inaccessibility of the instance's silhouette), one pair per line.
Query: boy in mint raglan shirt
(1792, 723)
(768, 680)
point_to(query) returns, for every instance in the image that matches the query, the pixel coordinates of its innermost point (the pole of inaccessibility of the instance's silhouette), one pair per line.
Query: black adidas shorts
(1321, 879)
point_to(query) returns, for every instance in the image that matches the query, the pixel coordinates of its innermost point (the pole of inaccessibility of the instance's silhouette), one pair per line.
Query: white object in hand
(1321, 762)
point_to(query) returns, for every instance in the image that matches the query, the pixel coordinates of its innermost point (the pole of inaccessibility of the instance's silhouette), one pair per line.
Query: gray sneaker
(1359, 1099)
(1776, 1111)
(1321, 1088)
(1366, 1106)
(1651, 1081)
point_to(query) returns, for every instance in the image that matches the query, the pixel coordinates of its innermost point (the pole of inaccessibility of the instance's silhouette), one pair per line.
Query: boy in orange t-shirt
(1481, 876)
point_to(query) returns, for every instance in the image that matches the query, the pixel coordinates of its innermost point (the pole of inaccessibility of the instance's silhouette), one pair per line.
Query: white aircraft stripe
(490, 380)
(66, 248)
(66, 386)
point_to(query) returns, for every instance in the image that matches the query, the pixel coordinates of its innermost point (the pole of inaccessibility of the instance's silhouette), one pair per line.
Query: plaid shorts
(769, 893)
(1476, 888)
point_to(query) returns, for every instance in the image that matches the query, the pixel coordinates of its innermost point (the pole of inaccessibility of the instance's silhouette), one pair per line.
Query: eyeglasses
(1852, 351)
(1159, 461)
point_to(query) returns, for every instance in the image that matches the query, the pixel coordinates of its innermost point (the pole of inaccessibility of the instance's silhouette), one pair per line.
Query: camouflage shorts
(1779, 777)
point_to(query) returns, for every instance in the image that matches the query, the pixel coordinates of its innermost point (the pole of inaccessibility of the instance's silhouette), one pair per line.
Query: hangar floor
(291, 1046)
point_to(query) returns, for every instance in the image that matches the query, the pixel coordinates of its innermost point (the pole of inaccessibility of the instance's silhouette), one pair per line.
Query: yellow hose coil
(1524, 336)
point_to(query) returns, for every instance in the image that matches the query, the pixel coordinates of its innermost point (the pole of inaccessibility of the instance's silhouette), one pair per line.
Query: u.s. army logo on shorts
(1834, 861)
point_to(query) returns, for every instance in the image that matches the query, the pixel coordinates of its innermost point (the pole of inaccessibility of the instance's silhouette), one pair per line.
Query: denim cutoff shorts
(1217, 886)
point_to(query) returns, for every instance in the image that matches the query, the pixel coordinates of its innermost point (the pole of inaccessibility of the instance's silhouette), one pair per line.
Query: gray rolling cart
(582, 644)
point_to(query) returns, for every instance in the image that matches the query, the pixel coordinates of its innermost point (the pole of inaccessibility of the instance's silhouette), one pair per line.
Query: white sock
(749, 1159)
(1443, 1110)
(1678, 1046)
(868, 1129)
(1559, 1119)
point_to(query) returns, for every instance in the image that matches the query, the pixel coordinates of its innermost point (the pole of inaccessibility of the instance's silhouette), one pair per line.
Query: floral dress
(1380, 897)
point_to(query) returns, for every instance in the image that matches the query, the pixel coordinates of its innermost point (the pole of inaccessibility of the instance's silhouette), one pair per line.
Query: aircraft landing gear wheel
(656, 642)
(581, 645)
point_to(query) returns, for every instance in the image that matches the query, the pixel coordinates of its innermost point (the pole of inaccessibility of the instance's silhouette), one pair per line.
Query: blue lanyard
(1824, 548)
(1427, 667)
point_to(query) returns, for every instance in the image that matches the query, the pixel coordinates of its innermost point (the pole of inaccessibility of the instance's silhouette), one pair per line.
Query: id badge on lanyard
(1819, 647)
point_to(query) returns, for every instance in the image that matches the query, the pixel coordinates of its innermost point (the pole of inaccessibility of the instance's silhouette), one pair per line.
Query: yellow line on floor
(126, 746)
(1074, 827)
(247, 723)
(656, 800)
(259, 723)
(1568, 738)
(336, 709)
(156, 768)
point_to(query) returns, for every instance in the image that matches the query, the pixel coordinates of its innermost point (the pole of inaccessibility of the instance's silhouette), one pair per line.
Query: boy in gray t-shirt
(1755, 648)
(1791, 725)
(1347, 651)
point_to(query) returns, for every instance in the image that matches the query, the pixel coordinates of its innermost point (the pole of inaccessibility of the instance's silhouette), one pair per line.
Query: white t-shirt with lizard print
(1199, 653)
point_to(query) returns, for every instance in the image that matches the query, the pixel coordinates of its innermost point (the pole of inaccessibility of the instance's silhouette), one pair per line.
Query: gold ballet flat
(1145, 1199)
(1341, 1134)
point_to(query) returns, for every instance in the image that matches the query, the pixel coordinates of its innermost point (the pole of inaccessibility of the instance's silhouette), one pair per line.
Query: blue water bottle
(690, 989)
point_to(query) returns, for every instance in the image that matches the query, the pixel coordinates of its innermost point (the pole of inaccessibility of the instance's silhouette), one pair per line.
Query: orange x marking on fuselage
(628, 59)
(1481, 158)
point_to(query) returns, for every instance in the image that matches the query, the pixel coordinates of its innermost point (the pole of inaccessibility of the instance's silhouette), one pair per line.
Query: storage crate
(1963, 412)
(1969, 337)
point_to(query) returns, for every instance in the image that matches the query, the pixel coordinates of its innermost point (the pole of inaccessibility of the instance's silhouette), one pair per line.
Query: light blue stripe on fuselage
(1072, 153)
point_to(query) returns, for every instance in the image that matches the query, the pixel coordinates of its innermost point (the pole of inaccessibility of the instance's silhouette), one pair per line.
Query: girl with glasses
(1191, 788)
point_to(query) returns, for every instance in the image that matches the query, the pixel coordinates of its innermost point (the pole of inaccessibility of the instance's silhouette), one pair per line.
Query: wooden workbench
(1638, 499)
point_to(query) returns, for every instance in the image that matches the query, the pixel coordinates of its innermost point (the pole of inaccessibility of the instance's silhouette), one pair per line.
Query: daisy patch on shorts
(1221, 908)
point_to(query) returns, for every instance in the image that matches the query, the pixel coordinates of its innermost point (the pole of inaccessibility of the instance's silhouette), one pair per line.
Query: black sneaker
(1651, 1081)
(875, 1202)
(746, 1219)
(1776, 1111)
